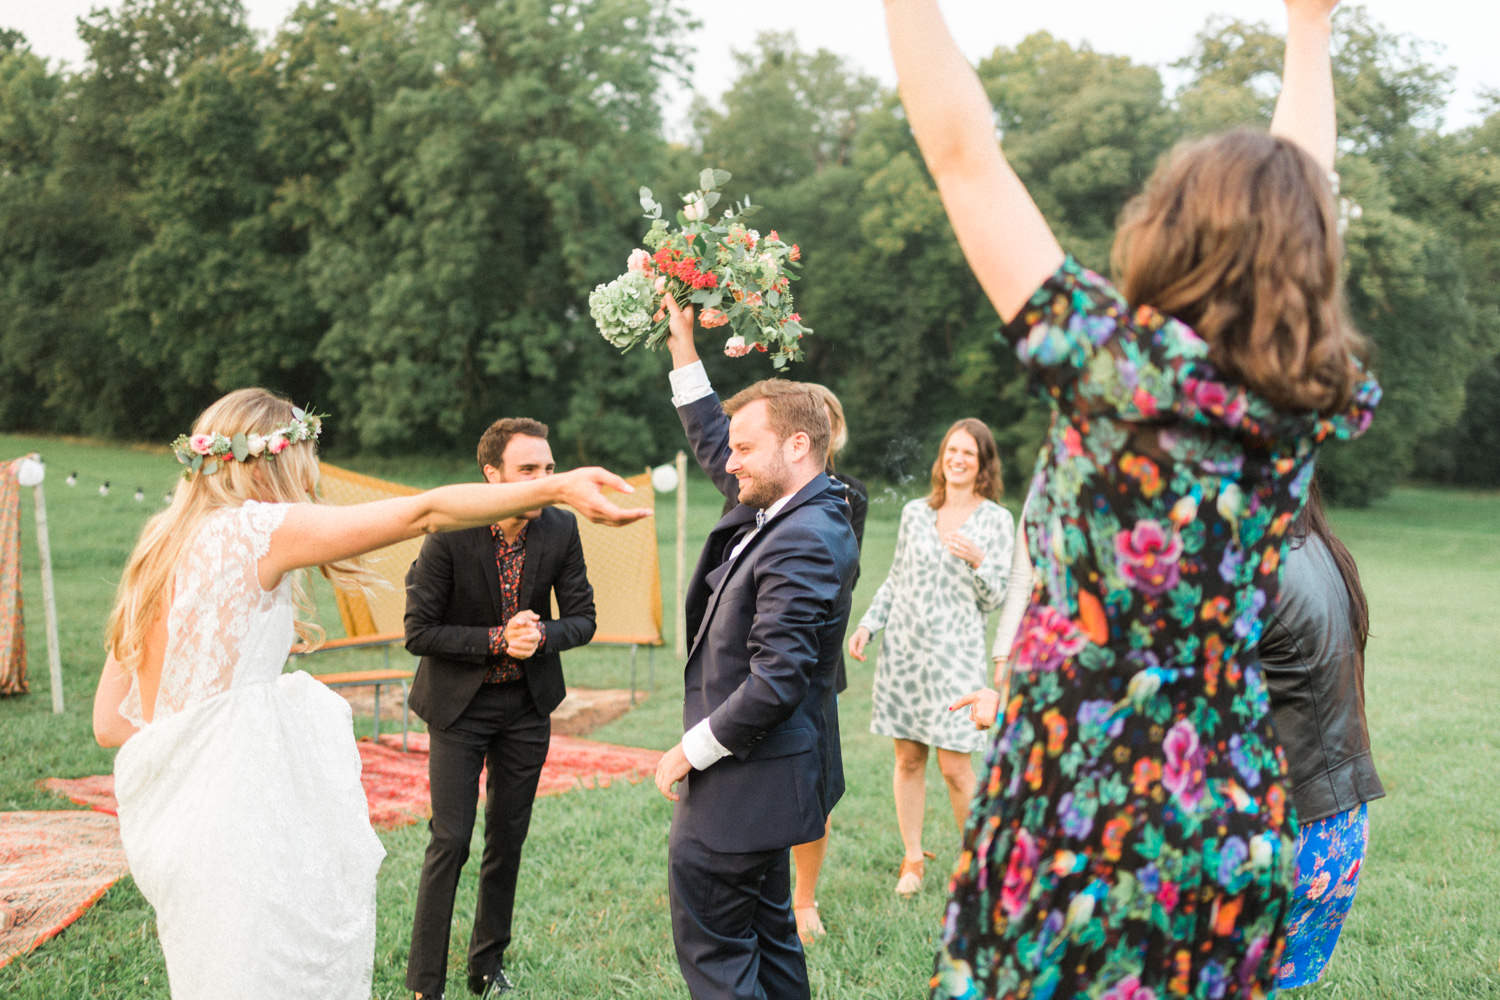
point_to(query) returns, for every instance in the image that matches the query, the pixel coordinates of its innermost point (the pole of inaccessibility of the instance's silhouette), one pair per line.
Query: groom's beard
(766, 489)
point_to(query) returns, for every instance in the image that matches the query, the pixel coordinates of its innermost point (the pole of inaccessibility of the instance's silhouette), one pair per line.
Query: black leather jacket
(1315, 672)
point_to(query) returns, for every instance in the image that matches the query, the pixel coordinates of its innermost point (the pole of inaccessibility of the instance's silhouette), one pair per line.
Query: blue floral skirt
(1330, 853)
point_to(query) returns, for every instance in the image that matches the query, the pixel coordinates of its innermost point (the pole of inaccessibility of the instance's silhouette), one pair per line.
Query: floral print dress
(1133, 838)
(1330, 854)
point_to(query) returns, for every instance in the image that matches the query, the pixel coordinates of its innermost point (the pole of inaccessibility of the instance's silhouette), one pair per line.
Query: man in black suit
(758, 764)
(478, 612)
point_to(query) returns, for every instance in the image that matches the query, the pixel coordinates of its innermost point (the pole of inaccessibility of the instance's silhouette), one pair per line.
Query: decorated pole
(679, 610)
(32, 472)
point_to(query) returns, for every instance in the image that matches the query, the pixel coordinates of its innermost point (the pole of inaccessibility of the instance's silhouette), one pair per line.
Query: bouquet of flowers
(735, 276)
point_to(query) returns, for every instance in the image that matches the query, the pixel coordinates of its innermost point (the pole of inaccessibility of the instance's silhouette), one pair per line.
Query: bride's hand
(583, 490)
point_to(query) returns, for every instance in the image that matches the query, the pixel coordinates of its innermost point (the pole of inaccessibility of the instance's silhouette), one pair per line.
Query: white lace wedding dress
(243, 818)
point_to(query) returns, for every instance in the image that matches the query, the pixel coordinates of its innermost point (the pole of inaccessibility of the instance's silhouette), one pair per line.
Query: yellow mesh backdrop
(622, 565)
(625, 571)
(380, 611)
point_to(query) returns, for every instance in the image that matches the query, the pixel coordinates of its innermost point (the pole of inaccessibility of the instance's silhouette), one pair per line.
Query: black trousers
(501, 728)
(732, 922)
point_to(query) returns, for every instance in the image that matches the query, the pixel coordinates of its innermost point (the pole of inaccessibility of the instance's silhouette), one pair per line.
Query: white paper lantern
(664, 478)
(31, 472)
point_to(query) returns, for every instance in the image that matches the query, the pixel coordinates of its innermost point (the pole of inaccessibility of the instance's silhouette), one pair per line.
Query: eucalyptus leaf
(706, 179)
(196, 463)
(211, 466)
(721, 177)
(711, 198)
(239, 445)
(298, 413)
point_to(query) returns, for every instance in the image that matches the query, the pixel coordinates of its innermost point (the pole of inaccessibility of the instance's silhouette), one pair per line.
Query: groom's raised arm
(698, 406)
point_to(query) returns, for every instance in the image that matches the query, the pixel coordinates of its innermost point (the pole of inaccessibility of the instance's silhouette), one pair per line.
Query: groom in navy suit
(758, 768)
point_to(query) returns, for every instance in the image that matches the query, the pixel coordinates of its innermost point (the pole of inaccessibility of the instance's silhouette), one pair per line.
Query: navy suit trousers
(732, 922)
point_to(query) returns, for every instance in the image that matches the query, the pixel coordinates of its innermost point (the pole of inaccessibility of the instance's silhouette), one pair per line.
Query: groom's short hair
(497, 435)
(791, 407)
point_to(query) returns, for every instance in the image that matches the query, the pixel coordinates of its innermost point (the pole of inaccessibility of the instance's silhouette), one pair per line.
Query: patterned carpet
(396, 782)
(53, 866)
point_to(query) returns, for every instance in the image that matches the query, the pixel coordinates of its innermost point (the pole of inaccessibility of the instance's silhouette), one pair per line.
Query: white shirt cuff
(689, 384)
(700, 747)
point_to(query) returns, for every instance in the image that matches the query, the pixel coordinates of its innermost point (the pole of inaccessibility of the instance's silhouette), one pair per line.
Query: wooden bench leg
(376, 711)
(405, 716)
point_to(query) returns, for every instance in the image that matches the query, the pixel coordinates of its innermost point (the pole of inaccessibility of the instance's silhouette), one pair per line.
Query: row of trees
(397, 210)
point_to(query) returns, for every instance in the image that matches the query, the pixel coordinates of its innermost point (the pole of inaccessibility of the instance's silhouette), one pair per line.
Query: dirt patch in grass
(581, 712)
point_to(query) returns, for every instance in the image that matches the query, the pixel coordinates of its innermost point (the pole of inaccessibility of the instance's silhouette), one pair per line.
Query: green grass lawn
(591, 913)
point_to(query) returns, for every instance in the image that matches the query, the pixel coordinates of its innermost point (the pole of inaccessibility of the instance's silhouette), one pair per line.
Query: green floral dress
(1133, 839)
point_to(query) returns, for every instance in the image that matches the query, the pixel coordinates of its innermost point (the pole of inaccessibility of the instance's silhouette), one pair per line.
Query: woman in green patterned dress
(947, 575)
(1134, 839)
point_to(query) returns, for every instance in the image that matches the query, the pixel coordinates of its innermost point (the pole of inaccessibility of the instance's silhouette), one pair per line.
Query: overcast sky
(1154, 32)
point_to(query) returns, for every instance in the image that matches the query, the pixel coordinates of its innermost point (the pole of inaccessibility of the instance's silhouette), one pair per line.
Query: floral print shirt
(1133, 838)
(510, 559)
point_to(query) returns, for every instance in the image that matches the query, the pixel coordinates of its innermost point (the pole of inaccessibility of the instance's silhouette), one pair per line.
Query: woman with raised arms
(1133, 837)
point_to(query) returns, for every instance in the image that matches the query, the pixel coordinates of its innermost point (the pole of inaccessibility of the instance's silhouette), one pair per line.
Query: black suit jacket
(767, 631)
(453, 599)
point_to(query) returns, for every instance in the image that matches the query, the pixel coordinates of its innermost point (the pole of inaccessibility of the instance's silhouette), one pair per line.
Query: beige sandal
(809, 924)
(909, 879)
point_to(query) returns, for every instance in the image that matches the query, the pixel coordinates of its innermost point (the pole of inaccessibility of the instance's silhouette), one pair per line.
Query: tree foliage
(397, 208)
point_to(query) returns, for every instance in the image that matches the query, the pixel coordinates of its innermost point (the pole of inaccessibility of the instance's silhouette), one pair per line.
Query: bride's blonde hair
(291, 477)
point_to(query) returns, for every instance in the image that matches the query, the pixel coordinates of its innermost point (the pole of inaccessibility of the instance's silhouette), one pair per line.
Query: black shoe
(489, 987)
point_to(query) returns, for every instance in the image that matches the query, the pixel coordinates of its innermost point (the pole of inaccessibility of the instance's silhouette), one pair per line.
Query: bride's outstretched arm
(316, 534)
(1305, 110)
(1006, 240)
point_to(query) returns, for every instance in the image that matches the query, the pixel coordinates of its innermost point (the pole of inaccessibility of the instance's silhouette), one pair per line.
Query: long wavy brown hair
(1313, 520)
(1237, 236)
(146, 585)
(987, 483)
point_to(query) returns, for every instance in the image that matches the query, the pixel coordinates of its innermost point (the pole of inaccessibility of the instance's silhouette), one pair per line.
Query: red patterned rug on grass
(53, 866)
(396, 781)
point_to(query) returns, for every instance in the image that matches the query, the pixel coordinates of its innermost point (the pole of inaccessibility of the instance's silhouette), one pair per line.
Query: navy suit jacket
(767, 631)
(453, 598)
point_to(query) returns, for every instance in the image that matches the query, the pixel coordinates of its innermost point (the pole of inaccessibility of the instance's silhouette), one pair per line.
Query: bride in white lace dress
(240, 805)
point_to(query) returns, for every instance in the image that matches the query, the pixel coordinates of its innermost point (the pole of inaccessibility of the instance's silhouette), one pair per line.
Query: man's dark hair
(495, 437)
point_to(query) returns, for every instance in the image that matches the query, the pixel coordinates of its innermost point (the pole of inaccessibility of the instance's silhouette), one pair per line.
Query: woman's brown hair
(1237, 236)
(1313, 520)
(987, 483)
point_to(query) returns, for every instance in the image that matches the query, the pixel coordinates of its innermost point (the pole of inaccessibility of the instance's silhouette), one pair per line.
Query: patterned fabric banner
(12, 627)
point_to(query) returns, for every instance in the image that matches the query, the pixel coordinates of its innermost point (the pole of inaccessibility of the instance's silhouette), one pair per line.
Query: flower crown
(203, 452)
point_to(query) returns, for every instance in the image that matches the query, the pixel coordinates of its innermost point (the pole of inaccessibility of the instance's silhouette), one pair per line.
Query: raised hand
(679, 332)
(1323, 7)
(583, 490)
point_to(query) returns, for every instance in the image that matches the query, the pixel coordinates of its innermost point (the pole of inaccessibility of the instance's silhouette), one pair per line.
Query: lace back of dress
(217, 625)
